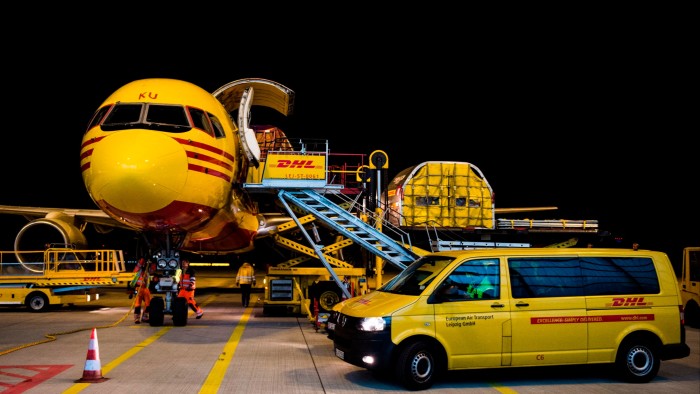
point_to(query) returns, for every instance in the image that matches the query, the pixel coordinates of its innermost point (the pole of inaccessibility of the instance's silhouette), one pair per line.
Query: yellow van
(496, 308)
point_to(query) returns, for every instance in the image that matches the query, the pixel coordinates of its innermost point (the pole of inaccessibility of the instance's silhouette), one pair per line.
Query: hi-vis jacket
(245, 275)
(188, 280)
(141, 276)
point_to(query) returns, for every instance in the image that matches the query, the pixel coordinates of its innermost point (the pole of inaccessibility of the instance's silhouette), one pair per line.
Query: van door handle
(522, 304)
(497, 305)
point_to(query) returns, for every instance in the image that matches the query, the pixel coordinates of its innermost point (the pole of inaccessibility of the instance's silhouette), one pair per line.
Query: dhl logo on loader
(629, 301)
(295, 164)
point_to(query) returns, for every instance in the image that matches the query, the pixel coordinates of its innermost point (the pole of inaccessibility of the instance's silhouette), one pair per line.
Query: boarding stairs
(348, 225)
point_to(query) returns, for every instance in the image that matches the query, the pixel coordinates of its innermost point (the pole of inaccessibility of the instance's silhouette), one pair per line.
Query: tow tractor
(164, 288)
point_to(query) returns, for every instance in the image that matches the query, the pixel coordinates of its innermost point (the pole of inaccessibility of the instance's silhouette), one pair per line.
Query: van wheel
(637, 360)
(416, 366)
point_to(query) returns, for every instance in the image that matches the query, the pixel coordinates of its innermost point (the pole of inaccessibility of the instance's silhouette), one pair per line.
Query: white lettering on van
(590, 319)
(465, 321)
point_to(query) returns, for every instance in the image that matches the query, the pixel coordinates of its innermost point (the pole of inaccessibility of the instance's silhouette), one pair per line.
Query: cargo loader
(58, 275)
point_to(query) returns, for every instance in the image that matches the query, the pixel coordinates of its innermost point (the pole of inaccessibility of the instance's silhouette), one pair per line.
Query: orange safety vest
(141, 278)
(187, 280)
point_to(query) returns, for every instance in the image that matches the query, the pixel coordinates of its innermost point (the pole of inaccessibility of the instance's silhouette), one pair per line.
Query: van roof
(544, 251)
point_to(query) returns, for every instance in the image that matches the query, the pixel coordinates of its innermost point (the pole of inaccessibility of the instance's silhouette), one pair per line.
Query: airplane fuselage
(161, 156)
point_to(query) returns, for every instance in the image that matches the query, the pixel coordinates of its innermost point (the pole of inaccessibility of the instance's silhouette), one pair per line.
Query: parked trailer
(56, 276)
(689, 284)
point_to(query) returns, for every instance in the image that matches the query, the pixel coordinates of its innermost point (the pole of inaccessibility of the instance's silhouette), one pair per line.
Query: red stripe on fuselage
(91, 141)
(208, 171)
(209, 159)
(206, 147)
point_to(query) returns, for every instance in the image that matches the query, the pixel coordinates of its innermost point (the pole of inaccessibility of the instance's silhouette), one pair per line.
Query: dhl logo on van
(591, 319)
(629, 301)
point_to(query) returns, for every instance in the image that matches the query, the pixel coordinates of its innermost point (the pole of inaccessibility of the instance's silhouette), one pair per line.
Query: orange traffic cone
(92, 373)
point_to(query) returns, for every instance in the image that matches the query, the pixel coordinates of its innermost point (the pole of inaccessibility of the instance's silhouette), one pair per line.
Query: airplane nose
(138, 171)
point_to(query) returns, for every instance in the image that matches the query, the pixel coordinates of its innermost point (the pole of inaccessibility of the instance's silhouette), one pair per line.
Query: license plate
(330, 326)
(340, 354)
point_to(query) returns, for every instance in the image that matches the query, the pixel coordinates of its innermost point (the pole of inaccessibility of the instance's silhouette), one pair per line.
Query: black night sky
(590, 119)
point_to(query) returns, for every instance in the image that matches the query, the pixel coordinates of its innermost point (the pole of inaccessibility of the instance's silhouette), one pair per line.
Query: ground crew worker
(187, 287)
(245, 278)
(140, 284)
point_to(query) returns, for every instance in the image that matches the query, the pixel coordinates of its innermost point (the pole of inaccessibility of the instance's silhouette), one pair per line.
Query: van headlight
(373, 324)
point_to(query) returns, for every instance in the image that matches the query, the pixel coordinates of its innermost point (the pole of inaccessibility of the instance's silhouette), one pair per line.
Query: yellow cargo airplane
(164, 157)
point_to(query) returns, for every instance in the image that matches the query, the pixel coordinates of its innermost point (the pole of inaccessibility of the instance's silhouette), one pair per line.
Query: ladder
(348, 225)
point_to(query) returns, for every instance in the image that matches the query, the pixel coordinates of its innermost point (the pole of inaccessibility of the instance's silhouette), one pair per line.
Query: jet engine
(52, 229)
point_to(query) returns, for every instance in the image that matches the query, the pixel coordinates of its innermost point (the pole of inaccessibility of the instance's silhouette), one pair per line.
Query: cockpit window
(167, 115)
(98, 116)
(201, 120)
(124, 113)
(171, 118)
(218, 128)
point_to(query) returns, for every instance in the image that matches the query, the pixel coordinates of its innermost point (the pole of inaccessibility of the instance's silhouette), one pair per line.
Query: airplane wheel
(156, 312)
(180, 312)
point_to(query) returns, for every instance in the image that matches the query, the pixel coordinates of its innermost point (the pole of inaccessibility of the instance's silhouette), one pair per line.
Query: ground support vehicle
(301, 285)
(58, 275)
(517, 307)
(689, 284)
(164, 286)
(340, 276)
(319, 213)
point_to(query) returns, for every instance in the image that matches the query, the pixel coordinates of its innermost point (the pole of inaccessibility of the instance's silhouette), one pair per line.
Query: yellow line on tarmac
(213, 382)
(503, 390)
(78, 387)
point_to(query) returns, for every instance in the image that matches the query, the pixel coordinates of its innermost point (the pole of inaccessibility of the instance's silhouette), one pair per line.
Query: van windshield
(417, 276)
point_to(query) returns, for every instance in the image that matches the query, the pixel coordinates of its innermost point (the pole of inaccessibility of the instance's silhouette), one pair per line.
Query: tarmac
(240, 350)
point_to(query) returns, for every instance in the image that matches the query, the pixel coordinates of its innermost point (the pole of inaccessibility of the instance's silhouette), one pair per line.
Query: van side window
(545, 277)
(616, 276)
(473, 279)
(565, 277)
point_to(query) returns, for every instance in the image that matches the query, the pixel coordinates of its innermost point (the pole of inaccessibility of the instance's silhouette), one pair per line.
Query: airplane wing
(93, 216)
(57, 225)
